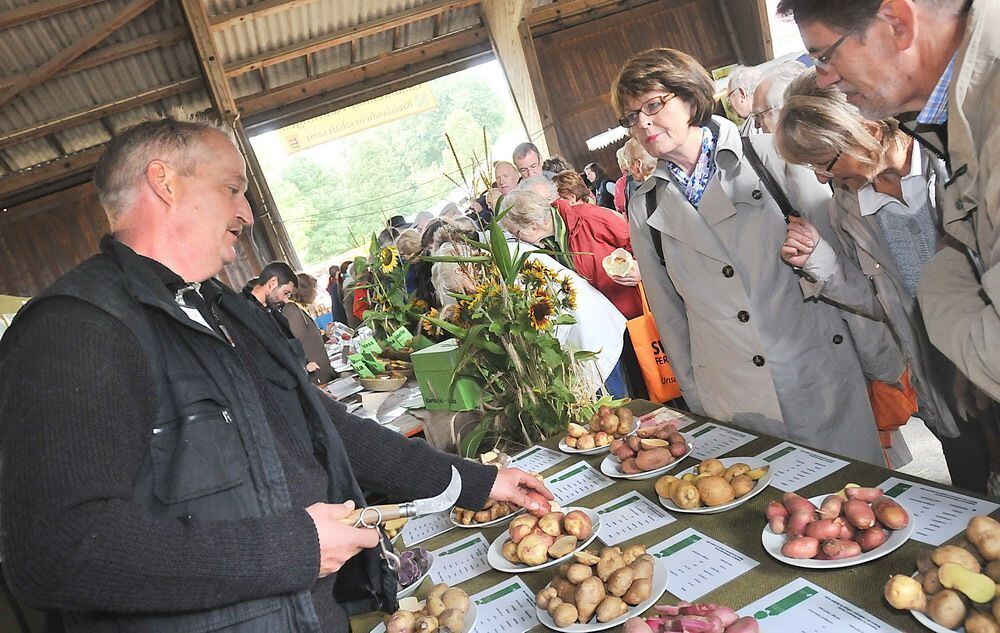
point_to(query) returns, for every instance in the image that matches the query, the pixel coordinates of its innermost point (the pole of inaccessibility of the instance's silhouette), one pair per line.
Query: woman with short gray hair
(884, 220)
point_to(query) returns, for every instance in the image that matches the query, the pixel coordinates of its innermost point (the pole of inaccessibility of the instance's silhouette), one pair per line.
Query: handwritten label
(359, 365)
(400, 338)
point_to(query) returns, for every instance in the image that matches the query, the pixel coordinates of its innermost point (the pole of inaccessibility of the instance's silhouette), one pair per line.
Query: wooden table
(740, 528)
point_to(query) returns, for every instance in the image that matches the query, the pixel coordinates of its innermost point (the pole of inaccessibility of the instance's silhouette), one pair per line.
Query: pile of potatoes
(534, 541)
(711, 485)
(606, 425)
(604, 586)
(653, 446)
(394, 527)
(492, 511)
(956, 584)
(443, 612)
(847, 523)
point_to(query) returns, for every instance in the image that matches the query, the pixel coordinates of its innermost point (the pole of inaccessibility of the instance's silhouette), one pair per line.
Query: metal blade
(443, 501)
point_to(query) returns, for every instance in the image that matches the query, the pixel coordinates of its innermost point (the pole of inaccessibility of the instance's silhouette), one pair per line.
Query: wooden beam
(62, 59)
(564, 8)
(222, 100)
(88, 115)
(208, 58)
(58, 169)
(343, 36)
(252, 12)
(396, 35)
(337, 79)
(37, 10)
(115, 52)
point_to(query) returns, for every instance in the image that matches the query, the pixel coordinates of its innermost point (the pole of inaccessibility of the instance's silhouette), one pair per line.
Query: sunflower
(541, 310)
(569, 295)
(429, 327)
(388, 259)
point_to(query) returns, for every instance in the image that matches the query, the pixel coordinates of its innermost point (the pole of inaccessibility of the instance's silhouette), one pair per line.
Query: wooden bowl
(384, 382)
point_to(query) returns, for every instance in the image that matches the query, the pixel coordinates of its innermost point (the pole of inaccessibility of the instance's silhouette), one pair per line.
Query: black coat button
(743, 316)
(837, 339)
(727, 271)
(756, 194)
(758, 360)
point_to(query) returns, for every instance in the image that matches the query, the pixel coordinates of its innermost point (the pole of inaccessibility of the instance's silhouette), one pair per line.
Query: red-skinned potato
(797, 523)
(521, 526)
(831, 507)
(871, 538)
(859, 514)
(823, 529)
(865, 494)
(678, 449)
(777, 524)
(653, 459)
(839, 548)
(543, 504)
(630, 467)
(801, 547)
(577, 523)
(795, 503)
(890, 514)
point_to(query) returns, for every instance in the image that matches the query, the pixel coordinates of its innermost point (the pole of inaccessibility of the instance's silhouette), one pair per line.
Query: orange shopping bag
(652, 355)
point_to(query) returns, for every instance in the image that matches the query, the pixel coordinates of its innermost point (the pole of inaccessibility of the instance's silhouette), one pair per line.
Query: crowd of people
(168, 463)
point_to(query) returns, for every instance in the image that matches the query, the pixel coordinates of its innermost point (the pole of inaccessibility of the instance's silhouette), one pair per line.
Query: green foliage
(331, 205)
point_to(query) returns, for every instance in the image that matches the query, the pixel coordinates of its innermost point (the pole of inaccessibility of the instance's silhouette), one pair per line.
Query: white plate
(925, 619)
(475, 526)
(759, 485)
(612, 467)
(566, 448)
(661, 574)
(495, 555)
(772, 545)
(402, 592)
(470, 619)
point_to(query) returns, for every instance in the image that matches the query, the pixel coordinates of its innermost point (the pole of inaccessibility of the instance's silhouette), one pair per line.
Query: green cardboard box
(433, 367)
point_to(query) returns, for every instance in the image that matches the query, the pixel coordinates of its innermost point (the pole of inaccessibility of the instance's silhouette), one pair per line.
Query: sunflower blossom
(388, 259)
(541, 311)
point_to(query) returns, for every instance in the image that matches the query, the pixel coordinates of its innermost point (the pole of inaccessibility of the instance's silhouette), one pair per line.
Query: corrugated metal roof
(27, 46)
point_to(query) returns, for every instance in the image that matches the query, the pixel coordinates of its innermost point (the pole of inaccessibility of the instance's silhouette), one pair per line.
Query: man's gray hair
(745, 78)
(540, 185)
(123, 164)
(525, 210)
(779, 79)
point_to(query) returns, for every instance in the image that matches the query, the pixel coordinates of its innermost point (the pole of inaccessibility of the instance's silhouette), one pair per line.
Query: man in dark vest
(271, 290)
(165, 464)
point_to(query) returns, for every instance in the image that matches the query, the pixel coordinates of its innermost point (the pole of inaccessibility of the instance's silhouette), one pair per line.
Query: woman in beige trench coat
(744, 344)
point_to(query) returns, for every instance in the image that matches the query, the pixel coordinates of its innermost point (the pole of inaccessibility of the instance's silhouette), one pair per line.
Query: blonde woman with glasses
(886, 229)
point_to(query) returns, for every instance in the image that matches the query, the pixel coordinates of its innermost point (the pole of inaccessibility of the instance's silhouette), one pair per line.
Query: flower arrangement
(532, 386)
(391, 305)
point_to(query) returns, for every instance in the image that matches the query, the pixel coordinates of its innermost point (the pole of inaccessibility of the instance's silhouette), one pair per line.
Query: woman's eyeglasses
(651, 107)
(825, 171)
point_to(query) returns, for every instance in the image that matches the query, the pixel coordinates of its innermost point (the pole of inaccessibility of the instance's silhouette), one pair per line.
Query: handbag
(661, 384)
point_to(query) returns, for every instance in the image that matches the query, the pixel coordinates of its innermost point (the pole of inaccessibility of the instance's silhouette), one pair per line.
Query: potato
(602, 439)
(984, 533)
(981, 623)
(859, 514)
(947, 609)
(401, 622)
(610, 608)
(823, 529)
(871, 538)
(978, 587)
(714, 490)
(797, 523)
(565, 615)
(610, 424)
(711, 467)
(619, 581)
(571, 442)
(578, 524)
(836, 548)
(434, 606)
(903, 592)
(801, 547)
(890, 514)
(552, 523)
(586, 442)
(589, 595)
(642, 567)
(741, 485)
(562, 546)
(952, 554)
(653, 459)
(451, 621)
(586, 558)
(543, 597)
(575, 430)
(534, 548)
(509, 551)
(831, 506)
(482, 516)
(993, 570)
(930, 582)
(456, 598)
(553, 605)
(521, 526)
(685, 495)
(634, 443)
(735, 471)
(663, 485)
(624, 427)
(632, 552)
(565, 590)
(678, 450)
(437, 591)
(794, 503)
(639, 591)
(611, 561)
(631, 466)
(577, 573)
(625, 415)
(925, 562)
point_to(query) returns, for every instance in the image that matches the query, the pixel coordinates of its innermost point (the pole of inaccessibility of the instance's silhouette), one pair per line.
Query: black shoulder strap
(653, 233)
(769, 182)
